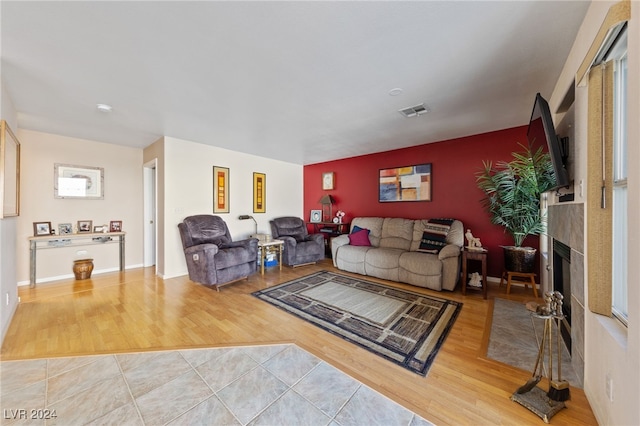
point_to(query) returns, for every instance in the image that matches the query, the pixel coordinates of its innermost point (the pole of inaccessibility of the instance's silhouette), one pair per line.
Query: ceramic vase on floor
(82, 268)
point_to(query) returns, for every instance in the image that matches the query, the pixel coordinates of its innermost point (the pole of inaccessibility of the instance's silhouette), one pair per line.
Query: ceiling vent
(414, 111)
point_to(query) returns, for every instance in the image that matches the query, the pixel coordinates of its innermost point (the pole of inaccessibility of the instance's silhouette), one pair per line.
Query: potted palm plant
(512, 197)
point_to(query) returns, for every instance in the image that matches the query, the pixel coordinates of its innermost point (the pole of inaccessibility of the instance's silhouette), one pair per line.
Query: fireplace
(562, 283)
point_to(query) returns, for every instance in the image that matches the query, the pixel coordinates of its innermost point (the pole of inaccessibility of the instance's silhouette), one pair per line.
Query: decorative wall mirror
(9, 172)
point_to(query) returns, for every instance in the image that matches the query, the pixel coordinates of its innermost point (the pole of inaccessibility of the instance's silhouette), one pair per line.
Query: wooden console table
(71, 240)
(331, 228)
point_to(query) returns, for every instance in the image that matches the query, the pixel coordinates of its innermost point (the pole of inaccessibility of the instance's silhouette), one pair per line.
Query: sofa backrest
(397, 233)
(403, 233)
(455, 235)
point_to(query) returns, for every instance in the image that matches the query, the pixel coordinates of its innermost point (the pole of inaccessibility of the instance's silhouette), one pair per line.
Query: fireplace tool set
(532, 397)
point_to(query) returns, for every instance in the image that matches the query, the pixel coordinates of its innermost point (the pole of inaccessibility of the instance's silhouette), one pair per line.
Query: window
(618, 56)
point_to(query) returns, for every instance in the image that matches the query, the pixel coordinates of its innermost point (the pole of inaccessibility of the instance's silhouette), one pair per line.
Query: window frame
(619, 303)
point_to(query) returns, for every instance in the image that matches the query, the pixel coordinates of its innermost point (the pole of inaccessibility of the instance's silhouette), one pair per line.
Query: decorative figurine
(474, 280)
(473, 243)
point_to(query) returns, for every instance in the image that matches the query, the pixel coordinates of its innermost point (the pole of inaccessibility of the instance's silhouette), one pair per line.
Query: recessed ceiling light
(395, 92)
(104, 107)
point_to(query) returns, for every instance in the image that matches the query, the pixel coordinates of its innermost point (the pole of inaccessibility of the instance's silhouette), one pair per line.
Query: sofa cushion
(351, 258)
(383, 263)
(384, 258)
(421, 269)
(360, 238)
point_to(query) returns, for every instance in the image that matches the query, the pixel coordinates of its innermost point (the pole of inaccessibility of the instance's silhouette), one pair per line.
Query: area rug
(404, 327)
(513, 339)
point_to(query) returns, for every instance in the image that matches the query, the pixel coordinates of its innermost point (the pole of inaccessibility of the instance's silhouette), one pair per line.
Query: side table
(329, 230)
(263, 244)
(478, 255)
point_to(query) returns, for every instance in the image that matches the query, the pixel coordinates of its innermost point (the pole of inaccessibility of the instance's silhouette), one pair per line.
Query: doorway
(150, 213)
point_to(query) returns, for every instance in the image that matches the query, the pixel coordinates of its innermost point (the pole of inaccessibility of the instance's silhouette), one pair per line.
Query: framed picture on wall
(259, 192)
(409, 183)
(220, 189)
(328, 181)
(78, 182)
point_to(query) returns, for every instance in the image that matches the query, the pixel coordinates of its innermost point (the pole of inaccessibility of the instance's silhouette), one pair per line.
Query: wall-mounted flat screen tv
(542, 134)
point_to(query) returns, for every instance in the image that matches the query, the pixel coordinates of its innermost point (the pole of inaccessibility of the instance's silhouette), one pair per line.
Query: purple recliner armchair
(300, 247)
(212, 257)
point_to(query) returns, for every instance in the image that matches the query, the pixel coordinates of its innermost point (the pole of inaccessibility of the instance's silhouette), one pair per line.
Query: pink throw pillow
(360, 238)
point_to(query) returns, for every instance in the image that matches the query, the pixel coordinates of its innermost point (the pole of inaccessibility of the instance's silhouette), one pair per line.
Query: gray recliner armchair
(212, 257)
(300, 247)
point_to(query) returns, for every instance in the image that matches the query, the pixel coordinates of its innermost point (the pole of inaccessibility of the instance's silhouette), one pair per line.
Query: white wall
(188, 190)
(611, 350)
(8, 282)
(122, 201)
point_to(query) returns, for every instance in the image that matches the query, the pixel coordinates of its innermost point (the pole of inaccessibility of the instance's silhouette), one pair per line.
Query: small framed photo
(316, 216)
(85, 225)
(115, 226)
(41, 228)
(98, 229)
(65, 228)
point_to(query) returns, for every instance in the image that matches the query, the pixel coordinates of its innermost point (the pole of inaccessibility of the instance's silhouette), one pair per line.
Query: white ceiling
(303, 82)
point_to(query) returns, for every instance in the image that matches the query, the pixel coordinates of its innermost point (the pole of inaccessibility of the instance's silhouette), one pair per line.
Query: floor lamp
(246, 216)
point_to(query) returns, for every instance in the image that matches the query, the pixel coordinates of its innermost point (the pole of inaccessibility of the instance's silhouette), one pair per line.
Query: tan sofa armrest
(339, 241)
(450, 250)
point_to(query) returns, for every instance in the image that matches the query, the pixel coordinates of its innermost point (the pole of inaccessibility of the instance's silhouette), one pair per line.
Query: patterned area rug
(402, 326)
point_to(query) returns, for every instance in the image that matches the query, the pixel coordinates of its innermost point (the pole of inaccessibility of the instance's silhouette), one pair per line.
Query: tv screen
(542, 134)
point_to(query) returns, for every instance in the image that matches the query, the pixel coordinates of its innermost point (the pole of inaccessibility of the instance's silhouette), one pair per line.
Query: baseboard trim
(68, 276)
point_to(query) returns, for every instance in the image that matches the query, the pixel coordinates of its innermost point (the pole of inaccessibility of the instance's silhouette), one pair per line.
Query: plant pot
(82, 268)
(519, 259)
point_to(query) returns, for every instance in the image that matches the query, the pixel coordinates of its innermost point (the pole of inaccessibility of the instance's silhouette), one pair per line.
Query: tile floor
(256, 385)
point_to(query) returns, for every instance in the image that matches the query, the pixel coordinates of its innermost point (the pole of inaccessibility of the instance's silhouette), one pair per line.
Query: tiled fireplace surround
(565, 223)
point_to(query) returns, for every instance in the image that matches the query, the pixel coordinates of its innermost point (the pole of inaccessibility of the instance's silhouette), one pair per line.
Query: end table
(478, 255)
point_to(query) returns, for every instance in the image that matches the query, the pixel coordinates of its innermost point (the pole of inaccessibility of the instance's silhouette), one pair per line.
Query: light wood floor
(137, 311)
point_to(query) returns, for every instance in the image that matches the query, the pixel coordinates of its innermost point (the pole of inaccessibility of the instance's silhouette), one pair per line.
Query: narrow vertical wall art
(220, 189)
(259, 192)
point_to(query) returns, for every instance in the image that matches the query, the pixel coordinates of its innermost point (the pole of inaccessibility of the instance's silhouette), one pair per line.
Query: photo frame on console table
(259, 192)
(83, 182)
(220, 189)
(9, 172)
(85, 226)
(409, 183)
(41, 228)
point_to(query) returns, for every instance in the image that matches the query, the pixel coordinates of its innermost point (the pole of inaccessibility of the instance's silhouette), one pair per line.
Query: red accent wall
(454, 163)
